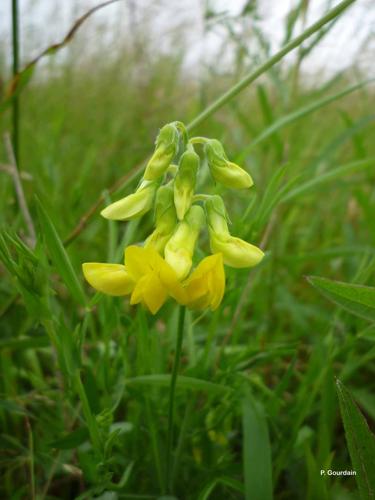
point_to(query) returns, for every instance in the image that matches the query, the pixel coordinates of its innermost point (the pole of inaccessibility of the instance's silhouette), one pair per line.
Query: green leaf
(357, 299)
(59, 256)
(361, 443)
(256, 451)
(298, 114)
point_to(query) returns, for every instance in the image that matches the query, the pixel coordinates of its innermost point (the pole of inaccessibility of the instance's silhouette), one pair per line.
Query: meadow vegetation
(257, 409)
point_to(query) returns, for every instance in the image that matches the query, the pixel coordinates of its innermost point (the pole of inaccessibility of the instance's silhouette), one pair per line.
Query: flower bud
(184, 183)
(180, 248)
(224, 171)
(166, 148)
(236, 252)
(134, 205)
(165, 219)
(217, 215)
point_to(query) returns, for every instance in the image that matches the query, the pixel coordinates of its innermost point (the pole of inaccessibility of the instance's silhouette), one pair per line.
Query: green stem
(172, 390)
(253, 75)
(15, 102)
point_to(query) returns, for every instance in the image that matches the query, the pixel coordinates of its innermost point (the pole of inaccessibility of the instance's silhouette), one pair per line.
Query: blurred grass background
(274, 347)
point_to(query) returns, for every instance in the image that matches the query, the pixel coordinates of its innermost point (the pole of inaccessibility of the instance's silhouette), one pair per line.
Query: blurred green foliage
(258, 374)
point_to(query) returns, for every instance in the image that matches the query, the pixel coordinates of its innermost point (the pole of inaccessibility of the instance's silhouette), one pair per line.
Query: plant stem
(253, 75)
(172, 390)
(15, 102)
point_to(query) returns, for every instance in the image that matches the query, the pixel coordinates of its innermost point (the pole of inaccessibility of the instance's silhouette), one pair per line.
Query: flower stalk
(171, 403)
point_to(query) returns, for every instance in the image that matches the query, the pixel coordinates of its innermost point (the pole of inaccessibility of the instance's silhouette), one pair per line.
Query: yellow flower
(224, 171)
(206, 285)
(165, 219)
(184, 183)
(132, 206)
(146, 275)
(236, 252)
(155, 279)
(180, 248)
(112, 279)
(166, 149)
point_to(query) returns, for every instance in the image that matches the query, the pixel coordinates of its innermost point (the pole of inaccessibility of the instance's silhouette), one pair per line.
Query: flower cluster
(161, 268)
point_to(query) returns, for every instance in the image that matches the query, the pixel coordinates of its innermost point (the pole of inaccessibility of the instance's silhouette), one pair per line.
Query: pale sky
(44, 22)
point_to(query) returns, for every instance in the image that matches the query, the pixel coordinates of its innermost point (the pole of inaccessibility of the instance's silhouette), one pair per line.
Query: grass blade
(296, 115)
(361, 443)
(357, 299)
(256, 451)
(59, 256)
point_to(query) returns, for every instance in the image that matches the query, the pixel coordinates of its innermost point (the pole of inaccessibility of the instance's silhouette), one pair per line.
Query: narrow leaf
(361, 443)
(298, 114)
(357, 299)
(256, 451)
(59, 256)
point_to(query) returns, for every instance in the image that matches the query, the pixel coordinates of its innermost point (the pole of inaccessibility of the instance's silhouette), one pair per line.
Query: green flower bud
(217, 215)
(184, 183)
(236, 252)
(224, 171)
(166, 148)
(165, 219)
(180, 248)
(134, 205)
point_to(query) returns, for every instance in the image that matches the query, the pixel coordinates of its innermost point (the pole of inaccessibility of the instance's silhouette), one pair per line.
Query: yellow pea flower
(112, 279)
(132, 206)
(166, 149)
(184, 183)
(224, 171)
(180, 248)
(146, 276)
(155, 278)
(165, 219)
(206, 285)
(236, 252)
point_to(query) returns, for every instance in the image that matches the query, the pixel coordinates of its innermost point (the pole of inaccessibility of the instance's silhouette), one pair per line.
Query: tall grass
(84, 386)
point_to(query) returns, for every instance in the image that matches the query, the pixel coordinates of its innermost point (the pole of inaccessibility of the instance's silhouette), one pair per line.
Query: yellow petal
(137, 261)
(149, 291)
(132, 206)
(217, 283)
(112, 279)
(236, 252)
(179, 259)
(157, 240)
(205, 287)
(169, 279)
